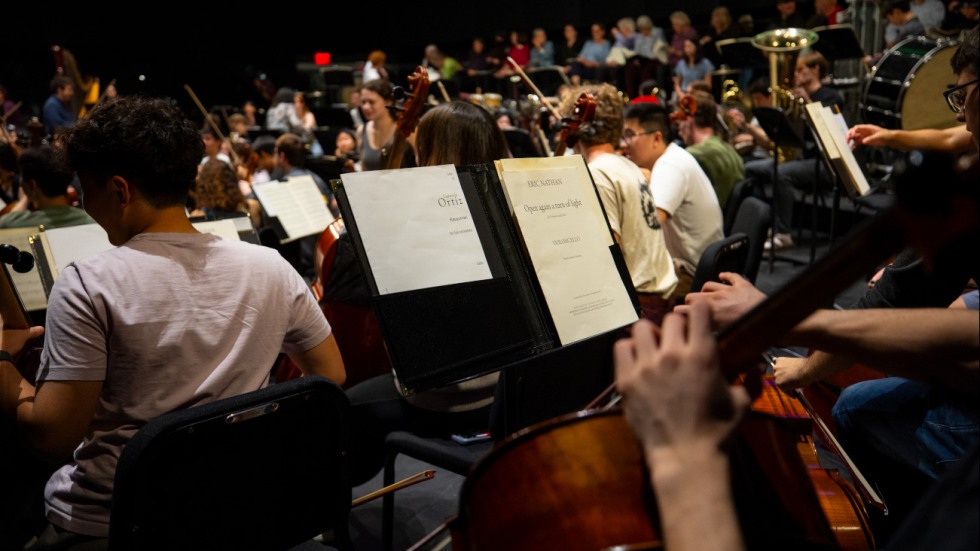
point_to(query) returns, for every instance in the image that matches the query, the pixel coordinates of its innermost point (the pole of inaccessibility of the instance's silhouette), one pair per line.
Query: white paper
(66, 245)
(298, 204)
(27, 285)
(416, 228)
(559, 217)
(225, 229)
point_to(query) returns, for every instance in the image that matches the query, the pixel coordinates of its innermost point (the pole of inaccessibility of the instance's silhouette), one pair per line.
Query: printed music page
(416, 228)
(856, 179)
(225, 229)
(66, 245)
(298, 204)
(27, 285)
(568, 239)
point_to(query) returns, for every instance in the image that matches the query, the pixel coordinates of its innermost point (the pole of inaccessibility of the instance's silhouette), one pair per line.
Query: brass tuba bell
(782, 47)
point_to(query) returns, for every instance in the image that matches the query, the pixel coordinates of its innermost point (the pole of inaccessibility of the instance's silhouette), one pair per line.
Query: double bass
(580, 481)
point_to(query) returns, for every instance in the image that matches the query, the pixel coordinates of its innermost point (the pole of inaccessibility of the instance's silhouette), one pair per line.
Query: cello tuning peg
(400, 93)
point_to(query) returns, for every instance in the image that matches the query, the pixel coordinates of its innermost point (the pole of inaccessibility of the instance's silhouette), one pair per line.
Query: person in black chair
(148, 327)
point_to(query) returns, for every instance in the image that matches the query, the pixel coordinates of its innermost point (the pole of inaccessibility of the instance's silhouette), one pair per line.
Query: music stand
(777, 127)
(838, 42)
(739, 53)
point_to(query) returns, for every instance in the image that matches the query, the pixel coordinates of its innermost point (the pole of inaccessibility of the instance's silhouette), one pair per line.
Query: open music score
(831, 129)
(536, 268)
(297, 204)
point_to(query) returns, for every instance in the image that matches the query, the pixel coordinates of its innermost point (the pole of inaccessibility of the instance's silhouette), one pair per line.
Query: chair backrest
(740, 191)
(725, 255)
(264, 470)
(752, 219)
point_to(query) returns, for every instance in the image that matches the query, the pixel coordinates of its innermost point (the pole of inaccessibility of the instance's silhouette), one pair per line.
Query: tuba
(782, 47)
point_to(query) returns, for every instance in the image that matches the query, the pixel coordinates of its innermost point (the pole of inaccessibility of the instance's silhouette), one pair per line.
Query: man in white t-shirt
(627, 200)
(687, 205)
(168, 319)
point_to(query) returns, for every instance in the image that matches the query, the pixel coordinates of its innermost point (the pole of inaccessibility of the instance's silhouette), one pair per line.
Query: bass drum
(904, 90)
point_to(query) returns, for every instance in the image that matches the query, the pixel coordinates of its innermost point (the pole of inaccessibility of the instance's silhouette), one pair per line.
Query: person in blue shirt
(57, 112)
(542, 49)
(593, 56)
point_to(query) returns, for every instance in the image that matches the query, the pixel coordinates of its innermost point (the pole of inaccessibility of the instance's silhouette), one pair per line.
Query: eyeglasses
(628, 134)
(956, 96)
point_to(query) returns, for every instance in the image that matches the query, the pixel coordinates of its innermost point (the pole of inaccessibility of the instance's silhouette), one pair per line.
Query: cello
(581, 482)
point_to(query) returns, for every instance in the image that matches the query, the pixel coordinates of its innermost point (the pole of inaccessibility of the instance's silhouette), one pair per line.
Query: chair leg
(388, 502)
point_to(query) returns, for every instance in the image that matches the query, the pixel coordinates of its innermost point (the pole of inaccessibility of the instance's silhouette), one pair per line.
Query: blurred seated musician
(44, 184)
(456, 133)
(719, 160)
(121, 348)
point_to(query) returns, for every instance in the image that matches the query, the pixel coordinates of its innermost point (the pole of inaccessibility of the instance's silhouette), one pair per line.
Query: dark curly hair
(149, 142)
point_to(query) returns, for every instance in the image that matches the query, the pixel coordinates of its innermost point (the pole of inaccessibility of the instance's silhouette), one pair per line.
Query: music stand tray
(838, 42)
(740, 53)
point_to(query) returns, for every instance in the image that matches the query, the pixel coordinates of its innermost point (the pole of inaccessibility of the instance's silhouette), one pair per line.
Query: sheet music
(831, 129)
(225, 229)
(298, 204)
(66, 245)
(568, 240)
(28, 285)
(416, 228)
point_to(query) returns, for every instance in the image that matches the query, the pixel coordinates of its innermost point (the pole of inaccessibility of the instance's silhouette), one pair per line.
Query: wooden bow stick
(213, 125)
(527, 80)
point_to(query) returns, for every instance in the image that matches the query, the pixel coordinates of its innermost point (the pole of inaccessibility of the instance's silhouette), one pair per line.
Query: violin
(583, 114)
(579, 481)
(410, 113)
(687, 106)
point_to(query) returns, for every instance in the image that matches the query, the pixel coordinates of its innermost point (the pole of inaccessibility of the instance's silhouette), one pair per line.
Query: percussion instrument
(903, 90)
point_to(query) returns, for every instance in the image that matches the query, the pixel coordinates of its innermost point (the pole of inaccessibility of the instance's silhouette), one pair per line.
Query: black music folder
(838, 42)
(474, 268)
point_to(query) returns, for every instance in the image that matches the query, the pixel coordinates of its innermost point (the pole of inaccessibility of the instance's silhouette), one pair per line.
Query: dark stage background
(157, 48)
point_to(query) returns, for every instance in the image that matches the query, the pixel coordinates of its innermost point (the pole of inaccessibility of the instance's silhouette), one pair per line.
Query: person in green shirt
(719, 160)
(44, 181)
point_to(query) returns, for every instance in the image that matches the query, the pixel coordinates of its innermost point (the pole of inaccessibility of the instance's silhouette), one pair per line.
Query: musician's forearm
(934, 344)
(693, 494)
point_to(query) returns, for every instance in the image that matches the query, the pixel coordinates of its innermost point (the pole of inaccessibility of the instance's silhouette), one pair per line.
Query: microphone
(21, 261)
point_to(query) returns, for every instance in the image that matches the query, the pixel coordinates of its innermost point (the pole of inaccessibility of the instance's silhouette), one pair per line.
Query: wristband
(6, 357)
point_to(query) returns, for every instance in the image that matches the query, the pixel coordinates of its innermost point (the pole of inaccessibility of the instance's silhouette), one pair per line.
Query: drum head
(923, 105)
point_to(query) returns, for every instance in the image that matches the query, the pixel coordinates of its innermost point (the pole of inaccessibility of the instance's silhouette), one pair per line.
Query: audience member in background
(719, 160)
(693, 67)
(568, 47)
(930, 12)
(826, 12)
(476, 69)
(542, 50)
(592, 59)
(44, 182)
(57, 111)
(680, 22)
(456, 133)
(650, 61)
(374, 67)
(440, 65)
(789, 16)
(251, 114)
(902, 22)
(379, 128)
(354, 102)
(627, 199)
(686, 204)
(721, 29)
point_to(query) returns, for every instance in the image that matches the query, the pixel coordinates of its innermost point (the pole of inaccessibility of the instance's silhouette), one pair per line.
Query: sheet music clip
(838, 42)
